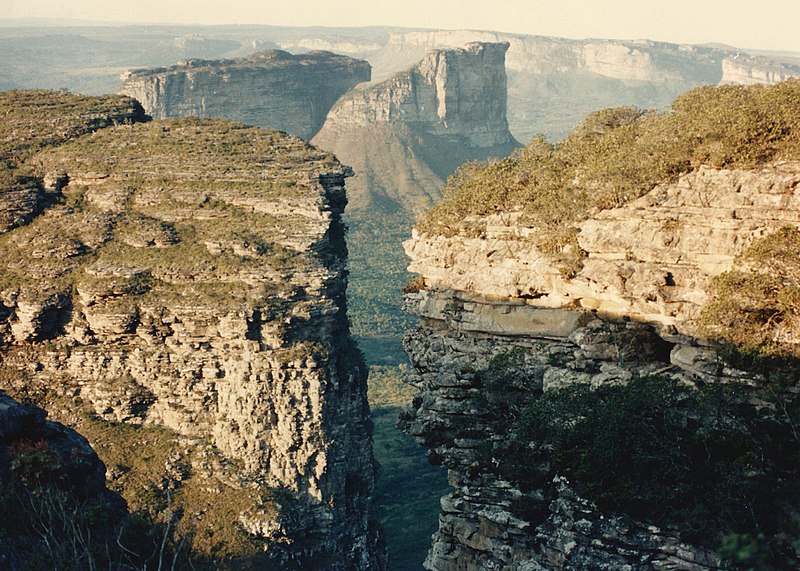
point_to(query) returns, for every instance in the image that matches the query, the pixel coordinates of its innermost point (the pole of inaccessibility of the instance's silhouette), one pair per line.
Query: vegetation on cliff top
(617, 155)
(196, 204)
(35, 120)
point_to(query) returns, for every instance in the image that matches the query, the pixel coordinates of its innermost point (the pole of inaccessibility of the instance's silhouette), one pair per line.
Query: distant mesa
(272, 88)
(406, 134)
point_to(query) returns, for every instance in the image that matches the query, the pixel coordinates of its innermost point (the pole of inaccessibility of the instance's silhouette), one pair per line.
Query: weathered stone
(629, 312)
(241, 350)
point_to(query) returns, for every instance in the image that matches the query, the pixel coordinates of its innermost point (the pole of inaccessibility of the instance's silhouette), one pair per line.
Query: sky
(754, 24)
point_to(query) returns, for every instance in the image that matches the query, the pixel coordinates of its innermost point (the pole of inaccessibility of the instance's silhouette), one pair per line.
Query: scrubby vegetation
(755, 308)
(617, 155)
(35, 120)
(718, 463)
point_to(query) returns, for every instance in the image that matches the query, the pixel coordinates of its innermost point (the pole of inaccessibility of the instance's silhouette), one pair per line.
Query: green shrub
(704, 461)
(617, 155)
(756, 306)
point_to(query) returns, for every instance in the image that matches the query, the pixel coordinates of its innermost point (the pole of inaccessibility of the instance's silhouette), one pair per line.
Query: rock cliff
(553, 82)
(182, 301)
(272, 89)
(454, 92)
(502, 328)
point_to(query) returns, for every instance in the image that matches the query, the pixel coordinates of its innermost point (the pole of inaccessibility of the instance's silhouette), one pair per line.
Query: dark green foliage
(407, 492)
(408, 488)
(377, 266)
(705, 461)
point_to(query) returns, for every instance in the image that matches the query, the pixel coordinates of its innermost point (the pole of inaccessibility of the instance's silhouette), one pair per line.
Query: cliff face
(448, 108)
(554, 82)
(272, 89)
(454, 92)
(188, 278)
(629, 313)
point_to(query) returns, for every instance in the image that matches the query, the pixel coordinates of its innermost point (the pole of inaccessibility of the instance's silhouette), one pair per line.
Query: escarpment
(272, 89)
(181, 301)
(447, 108)
(570, 381)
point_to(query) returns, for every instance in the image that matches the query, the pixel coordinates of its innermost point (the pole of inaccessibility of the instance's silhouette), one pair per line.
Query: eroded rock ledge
(629, 313)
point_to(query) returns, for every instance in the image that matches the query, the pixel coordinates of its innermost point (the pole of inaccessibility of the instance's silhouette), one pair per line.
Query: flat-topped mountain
(458, 92)
(448, 108)
(180, 299)
(272, 89)
(553, 82)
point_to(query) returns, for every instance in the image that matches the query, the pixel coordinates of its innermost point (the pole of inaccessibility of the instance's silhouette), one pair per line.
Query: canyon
(177, 287)
(552, 82)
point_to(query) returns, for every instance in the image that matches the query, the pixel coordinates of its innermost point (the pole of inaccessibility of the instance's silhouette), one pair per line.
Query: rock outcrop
(189, 276)
(46, 469)
(447, 109)
(452, 92)
(629, 313)
(272, 89)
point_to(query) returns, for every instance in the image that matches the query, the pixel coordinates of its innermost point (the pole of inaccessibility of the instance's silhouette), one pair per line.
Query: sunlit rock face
(188, 276)
(272, 89)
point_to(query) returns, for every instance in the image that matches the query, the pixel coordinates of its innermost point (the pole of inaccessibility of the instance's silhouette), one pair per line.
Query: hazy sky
(764, 24)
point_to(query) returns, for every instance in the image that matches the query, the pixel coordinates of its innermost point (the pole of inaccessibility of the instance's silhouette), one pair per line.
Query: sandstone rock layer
(190, 276)
(630, 312)
(272, 89)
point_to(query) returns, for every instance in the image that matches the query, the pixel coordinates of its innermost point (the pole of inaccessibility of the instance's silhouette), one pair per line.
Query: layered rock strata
(190, 275)
(630, 312)
(450, 92)
(272, 89)
(554, 82)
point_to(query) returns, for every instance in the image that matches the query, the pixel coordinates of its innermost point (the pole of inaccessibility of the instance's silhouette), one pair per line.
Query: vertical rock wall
(272, 89)
(629, 313)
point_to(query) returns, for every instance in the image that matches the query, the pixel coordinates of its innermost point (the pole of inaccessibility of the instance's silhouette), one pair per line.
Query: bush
(756, 306)
(704, 461)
